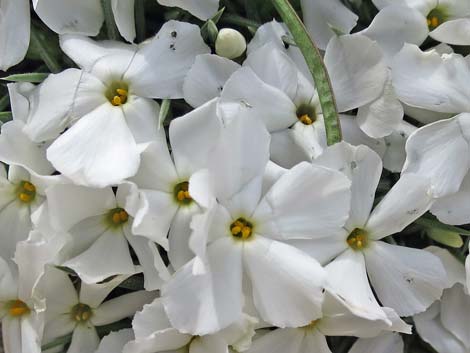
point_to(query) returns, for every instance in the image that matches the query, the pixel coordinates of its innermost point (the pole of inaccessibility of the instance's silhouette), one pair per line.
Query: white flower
(244, 236)
(107, 106)
(445, 324)
(405, 279)
(448, 20)
(337, 320)
(99, 223)
(115, 341)
(69, 312)
(154, 333)
(166, 206)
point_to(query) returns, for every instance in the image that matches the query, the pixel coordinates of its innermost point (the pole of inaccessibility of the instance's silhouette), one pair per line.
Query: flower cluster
(181, 195)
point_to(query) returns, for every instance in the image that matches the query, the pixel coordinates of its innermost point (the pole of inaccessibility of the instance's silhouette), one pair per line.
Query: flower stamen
(181, 193)
(358, 239)
(17, 308)
(26, 191)
(241, 229)
(81, 313)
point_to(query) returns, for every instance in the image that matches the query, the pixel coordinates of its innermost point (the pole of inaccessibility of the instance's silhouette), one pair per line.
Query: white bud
(230, 43)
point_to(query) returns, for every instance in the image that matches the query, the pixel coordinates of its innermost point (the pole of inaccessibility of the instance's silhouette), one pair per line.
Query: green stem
(42, 47)
(57, 342)
(140, 24)
(239, 21)
(111, 27)
(428, 222)
(317, 69)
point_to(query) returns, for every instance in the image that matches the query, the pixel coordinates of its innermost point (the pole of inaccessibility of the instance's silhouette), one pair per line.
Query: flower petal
(455, 32)
(386, 343)
(454, 209)
(84, 339)
(123, 11)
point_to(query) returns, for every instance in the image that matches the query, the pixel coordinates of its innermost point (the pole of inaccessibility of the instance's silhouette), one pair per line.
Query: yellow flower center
(118, 216)
(81, 313)
(358, 239)
(436, 17)
(241, 229)
(17, 308)
(306, 114)
(117, 93)
(311, 325)
(181, 193)
(26, 191)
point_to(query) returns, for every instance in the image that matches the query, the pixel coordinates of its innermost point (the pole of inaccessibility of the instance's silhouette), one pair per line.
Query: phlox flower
(405, 279)
(115, 341)
(98, 224)
(106, 108)
(241, 239)
(79, 313)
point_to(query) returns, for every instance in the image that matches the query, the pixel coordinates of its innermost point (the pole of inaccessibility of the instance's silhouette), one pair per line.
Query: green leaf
(317, 69)
(35, 77)
(43, 47)
(164, 110)
(454, 240)
(5, 116)
(111, 28)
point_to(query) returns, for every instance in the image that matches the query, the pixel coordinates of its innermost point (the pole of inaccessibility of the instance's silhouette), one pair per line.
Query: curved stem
(317, 69)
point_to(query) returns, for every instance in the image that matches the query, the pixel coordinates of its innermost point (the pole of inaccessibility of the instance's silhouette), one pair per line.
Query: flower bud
(230, 43)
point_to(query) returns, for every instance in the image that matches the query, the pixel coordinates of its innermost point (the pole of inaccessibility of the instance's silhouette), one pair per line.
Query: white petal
(347, 278)
(321, 17)
(363, 167)
(395, 154)
(453, 209)
(455, 313)
(88, 202)
(454, 32)
(202, 9)
(159, 67)
(431, 330)
(427, 80)
(454, 268)
(17, 148)
(245, 92)
(208, 344)
(279, 341)
(121, 307)
(13, 43)
(141, 118)
(386, 343)
(383, 116)
(99, 150)
(408, 200)
(202, 304)
(357, 70)
(287, 150)
(322, 249)
(467, 270)
(115, 341)
(19, 93)
(295, 208)
(287, 283)
(396, 25)
(93, 266)
(85, 51)
(435, 151)
(60, 294)
(20, 335)
(206, 78)
(51, 105)
(192, 138)
(15, 222)
(84, 339)
(279, 71)
(405, 279)
(69, 16)
(424, 6)
(123, 11)
(94, 294)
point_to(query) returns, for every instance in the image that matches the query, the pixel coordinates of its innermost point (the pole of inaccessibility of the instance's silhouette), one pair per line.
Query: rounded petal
(141, 118)
(279, 341)
(454, 209)
(123, 11)
(395, 154)
(294, 208)
(13, 43)
(70, 16)
(115, 341)
(455, 32)
(209, 344)
(206, 303)
(455, 313)
(408, 200)
(386, 343)
(206, 78)
(357, 70)
(160, 66)
(405, 279)
(84, 339)
(287, 283)
(99, 150)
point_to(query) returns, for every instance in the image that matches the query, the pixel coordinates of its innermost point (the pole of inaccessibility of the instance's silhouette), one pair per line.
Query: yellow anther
(24, 197)
(18, 308)
(118, 216)
(81, 313)
(358, 239)
(121, 92)
(124, 216)
(241, 229)
(434, 21)
(182, 194)
(305, 119)
(436, 17)
(28, 186)
(116, 101)
(26, 191)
